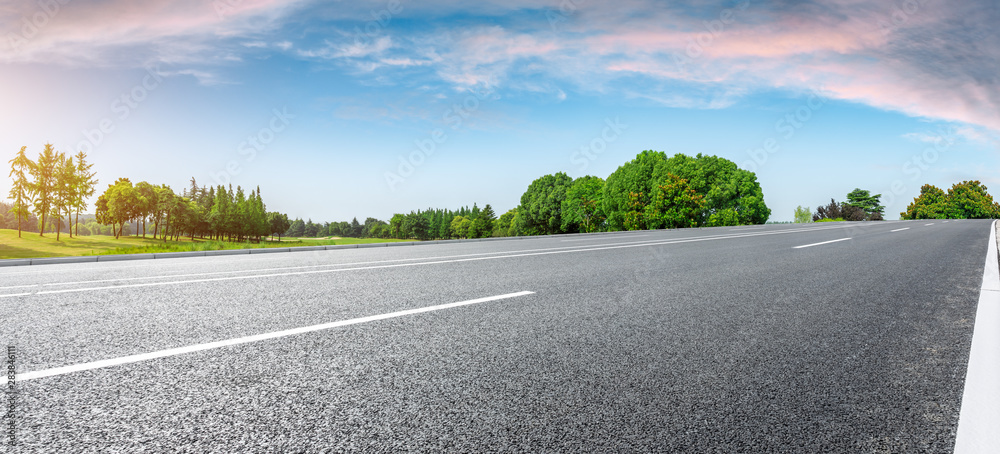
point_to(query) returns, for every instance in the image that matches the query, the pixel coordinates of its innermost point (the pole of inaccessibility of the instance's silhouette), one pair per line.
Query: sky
(340, 109)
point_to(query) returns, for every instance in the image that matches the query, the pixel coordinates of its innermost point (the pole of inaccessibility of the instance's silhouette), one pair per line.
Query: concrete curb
(980, 413)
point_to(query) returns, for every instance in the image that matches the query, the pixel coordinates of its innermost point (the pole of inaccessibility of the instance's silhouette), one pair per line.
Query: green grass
(30, 245)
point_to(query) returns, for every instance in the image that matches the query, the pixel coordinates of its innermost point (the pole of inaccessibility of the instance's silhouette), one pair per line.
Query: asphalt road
(700, 340)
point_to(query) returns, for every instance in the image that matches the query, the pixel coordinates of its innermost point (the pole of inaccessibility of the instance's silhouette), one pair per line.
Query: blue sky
(319, 102)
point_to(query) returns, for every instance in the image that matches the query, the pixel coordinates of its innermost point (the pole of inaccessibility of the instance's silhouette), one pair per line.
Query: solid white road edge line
(597, 239)
(980, 414)
(900, 230)
(817, 244)
(248, 339)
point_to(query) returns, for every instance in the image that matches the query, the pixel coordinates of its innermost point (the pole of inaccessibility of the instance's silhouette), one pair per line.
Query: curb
(980, 413)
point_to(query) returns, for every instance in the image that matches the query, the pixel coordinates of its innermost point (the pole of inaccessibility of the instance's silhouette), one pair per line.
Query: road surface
(780, 338)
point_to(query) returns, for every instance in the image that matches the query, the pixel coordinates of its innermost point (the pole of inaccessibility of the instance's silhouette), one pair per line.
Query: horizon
(318, 104)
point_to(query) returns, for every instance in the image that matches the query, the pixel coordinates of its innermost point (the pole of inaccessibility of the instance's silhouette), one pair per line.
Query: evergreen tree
(22, 191)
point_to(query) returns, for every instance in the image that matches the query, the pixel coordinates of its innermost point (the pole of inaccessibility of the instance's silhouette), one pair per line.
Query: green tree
(583, 209)
(541, 204)
(674, 205)
(64, 194)
(970, 200)
(802, 215)
(22, 191)
(296, 229)
(459, 228)
(625, 191)
(44, 184)
(863, 199)
(932, 203)
(85, 185)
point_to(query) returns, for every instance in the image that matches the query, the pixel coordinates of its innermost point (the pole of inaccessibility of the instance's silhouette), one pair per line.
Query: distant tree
(459, 229)
(148, 203)
(932, 203)
(421, 228)
(356, 228)
(541, 204)
(64, 194)
(278, 223)
(676, 204)
(802, 215)
(970, 200)
(504, 225)
(869, 203)
(831, 212)
(22, 190)
(296, 229)
(85, 184)
(44, 184)
(583, 208)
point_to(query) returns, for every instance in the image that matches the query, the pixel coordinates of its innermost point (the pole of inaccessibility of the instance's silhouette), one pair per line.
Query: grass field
(30, 245)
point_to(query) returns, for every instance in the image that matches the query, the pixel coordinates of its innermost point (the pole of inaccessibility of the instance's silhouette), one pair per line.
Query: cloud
(933, 60)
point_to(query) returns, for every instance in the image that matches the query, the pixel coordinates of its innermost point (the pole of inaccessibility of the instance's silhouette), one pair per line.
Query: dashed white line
(928, 224)
(817, 244)
(248, 339)
(900, 230)
(16, 294)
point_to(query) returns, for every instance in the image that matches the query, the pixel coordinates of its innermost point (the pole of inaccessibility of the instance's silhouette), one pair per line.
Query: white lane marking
(248, 339)
(817, 244)
(925, 225)
(16, 294)
(944, 222)
(497, 254)
(900, 230)
(604, 238)
(18, 286)
(980, 413)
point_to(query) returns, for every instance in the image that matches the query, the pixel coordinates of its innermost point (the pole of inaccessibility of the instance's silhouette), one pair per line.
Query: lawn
(30, 245)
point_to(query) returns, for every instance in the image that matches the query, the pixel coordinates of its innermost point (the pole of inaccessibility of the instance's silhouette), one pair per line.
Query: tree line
(965, 200)
(653, 191)
(54, 187)
(51, 188)
(212, 212)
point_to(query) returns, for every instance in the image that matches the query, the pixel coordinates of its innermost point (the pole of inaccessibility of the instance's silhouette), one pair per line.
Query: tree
(296, 229)
(22, 191)
(148, 203)
(85, 185)
(64, 194)
(802, 215)
(483, 224)
(830, 212)
(970, 200)
(732, 196)
(44, 184)
(675, 205)
(862, 199)
(583, 209)
(541, 204)
(458, 227)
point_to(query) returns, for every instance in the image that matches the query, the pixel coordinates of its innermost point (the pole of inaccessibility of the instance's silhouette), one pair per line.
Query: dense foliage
(965, 200)
(860, 205)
